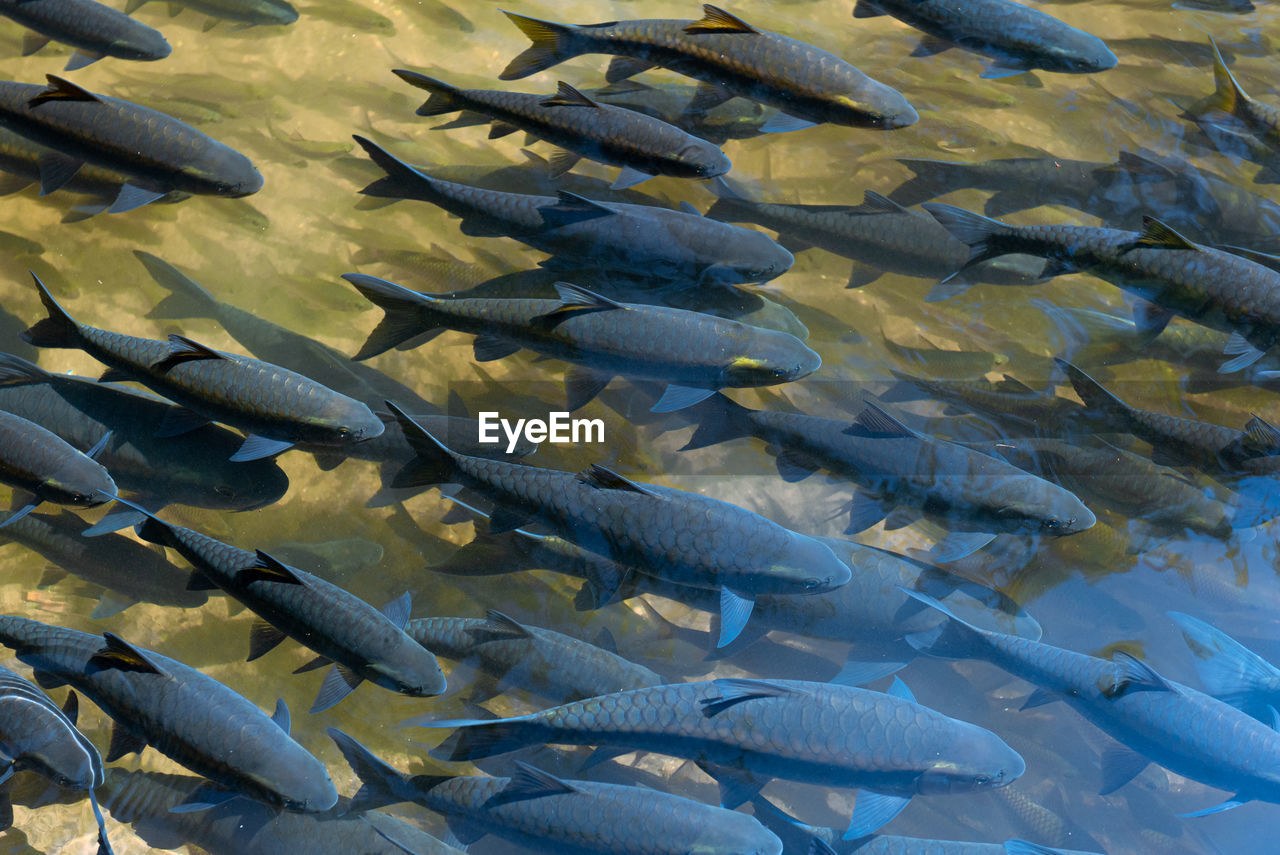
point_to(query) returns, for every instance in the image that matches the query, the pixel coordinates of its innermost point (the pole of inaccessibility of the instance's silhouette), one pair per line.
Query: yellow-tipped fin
(551, 46)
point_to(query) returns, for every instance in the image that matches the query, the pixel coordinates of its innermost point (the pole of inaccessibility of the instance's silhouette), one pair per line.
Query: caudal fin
(552, 45)
(57, 330)
(953, 638)
(402, 180)
(719, 420)
(433, 463)
(975, 231)
(380, 785)
(16, 371)
(1229, 670)
(404, 313)
(1227, 95)
(186, 298)
(1095, 397)
(444, 97)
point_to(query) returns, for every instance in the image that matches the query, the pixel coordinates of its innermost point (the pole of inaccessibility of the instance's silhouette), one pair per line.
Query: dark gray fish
(679, 536)
(94, 29)
(880, 236)
(35, 734)
(129, 572)
(1155, 720)
(1230, 671)
(146, 800)
(973, 494)
(158, 152)
(1261, 120)
(1008, 400)
(819, 733)
(735, 119)
(693, 353)
(44, 468)
(1172, 275)
(536, 809)
(190, 469)
(361, 642)
(613, 235)
(1017, 37)
(250, 12)
(730, 57)
(274, 406)
(190, 718)
(642, 145)
(553, 665)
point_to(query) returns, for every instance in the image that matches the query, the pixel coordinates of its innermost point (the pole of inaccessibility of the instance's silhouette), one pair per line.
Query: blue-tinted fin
(98, 446)
(818, 846)
(953, 286)
(1150, 319)
(784, 123)
(1245, 354)
(1230, 672)
(1229, 804)
(263, 637)
(736, 787)
(1132, 674)
(526, 782)
(132, 196)
(958, 544)
(795, 466)
(931, 46)
(489, 348)
(179, 420)
(872, 811)
(997, 70)
(572, 208)
(20, 513)
(257, 447)
(1120, 765)
(122, 743)
(629, 177)
(398, 610)
(111, 604)
(114, 522)
(865, 511)
(899, 689)
(856, 673)
(678, 397)
(734, 691)
(603, 754)
(1039, 698)
(687, 208)
(735, 611)
(203, 798)
(338, 683)
(281, 716)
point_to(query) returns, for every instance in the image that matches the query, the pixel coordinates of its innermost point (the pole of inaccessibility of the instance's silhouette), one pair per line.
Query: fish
(1215, 449)
(1153, 719)
(145, 799)
(1230, 671)
(538, 810)
(190, 718)
(41, 467)
(552, 664)
(730, 57)
(735, 119)
(693, 353)
(575, 230)
(680, 536)
(818, 733)
(252, 13)
(129, 572)
(159, 154)
(191, 469)
(880, 236)
(1171, 274)
(972, 494)
(642, 145)
(1008, 400)
(35, 734)
(1017, 38)
(1262, 120)
(94, 29)
(359, 641)
(274, 406)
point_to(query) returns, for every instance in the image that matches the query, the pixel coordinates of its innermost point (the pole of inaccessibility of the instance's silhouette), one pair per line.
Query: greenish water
(290, 98)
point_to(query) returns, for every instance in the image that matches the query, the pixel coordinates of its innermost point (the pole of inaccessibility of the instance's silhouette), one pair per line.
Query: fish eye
(1054, 524)
(982, 780)
(812, 583)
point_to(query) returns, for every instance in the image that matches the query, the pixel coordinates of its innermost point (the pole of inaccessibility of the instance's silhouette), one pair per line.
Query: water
(291, 97)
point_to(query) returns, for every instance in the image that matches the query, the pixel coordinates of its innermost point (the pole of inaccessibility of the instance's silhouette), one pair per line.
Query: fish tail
(981, 234)
(951, 639)
(16, 371)
(57, 330)
(403, 313)
(719, 420)
(485, 555)
(474, 740)
(380, 785)
(1227, 95)
(402, 180)
(552, 45)
(1091, 392)
(932, 178)
(728, 209)
(433, 462)
(186, 298)
(444, 97)
(1230, 671)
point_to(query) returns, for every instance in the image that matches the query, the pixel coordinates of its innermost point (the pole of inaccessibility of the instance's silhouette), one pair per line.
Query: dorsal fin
(60, 89)
(875, 421)
(717, 20)
(598, 476)
(123, 656)
(530, 783)
(71, 707)
(183, 349)
(576, 297)
(270, 569)
(567, 198)
(1013, 385)
(1156, 234)
(874, 203)
(567, 96)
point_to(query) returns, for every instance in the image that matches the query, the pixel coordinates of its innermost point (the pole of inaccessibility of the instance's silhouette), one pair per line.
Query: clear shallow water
(291, 97)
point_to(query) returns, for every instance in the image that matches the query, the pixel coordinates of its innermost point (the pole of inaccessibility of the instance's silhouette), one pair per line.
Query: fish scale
(37, 460)
(190, 718)
(97, 29)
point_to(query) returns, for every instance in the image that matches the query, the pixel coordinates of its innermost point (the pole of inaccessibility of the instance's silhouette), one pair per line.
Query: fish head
(1026, 504)
(1079, 52)
(80, 483)
(343, 421)
(299, 786)
(219, 170)
(975, 759)
(876, 106)
(275, 12)
(410, 670)
(701, 159)
(804, 566)
(775, 358)
(55, 753)
(146, 44)
(253, 484)
(750, 257)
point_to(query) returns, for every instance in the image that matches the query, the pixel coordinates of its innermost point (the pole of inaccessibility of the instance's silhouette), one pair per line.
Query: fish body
(362, 642)
(159, 153)
(1019, 38)
(94, 29)
(688, 350)
(250, 12)
(730, 57)
(580, 125)
(1008, 399)
(735, 119)
(550, 663)
(39, 462)
(191, 469)
(190, 718)
(818, 733)
(1155, 719)
(659, 242)
(1175, 276)
(548, 814)
(277, 407)
(679, 536)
